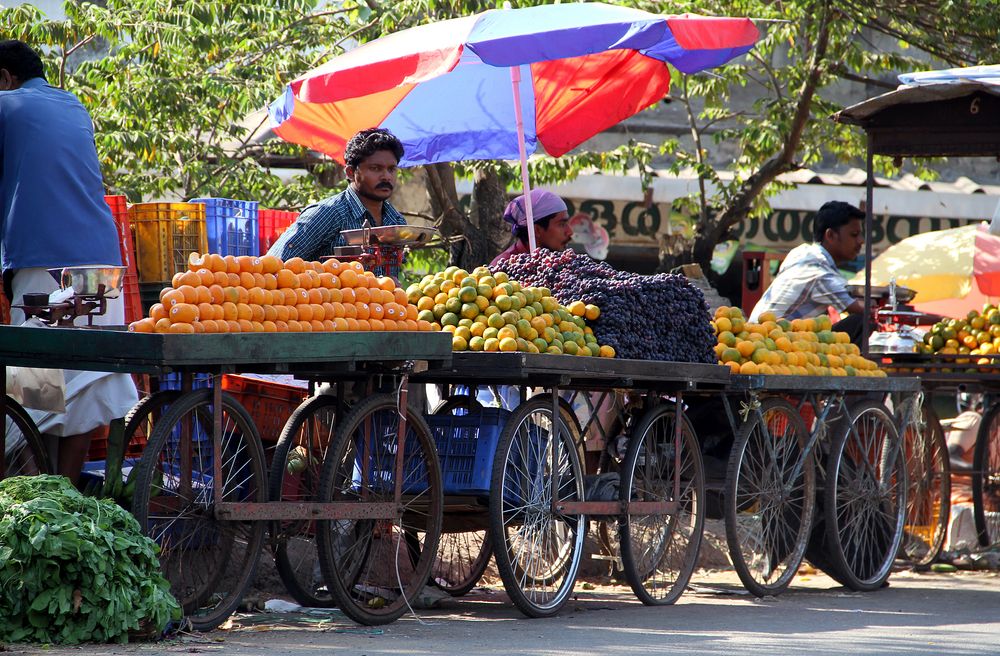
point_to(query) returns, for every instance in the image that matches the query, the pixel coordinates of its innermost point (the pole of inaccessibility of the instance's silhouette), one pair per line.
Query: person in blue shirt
(372, 160)
(53, 215)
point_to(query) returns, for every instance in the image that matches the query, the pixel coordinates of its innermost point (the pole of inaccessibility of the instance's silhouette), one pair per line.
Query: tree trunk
(477, 238)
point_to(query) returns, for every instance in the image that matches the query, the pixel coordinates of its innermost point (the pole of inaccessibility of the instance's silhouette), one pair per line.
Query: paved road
(955, 614)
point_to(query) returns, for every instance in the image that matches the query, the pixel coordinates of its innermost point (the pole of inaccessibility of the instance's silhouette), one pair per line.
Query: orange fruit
(281, 312)
(295, 264)
(256, 326)
(232, 264)
(362, 324)
(202, 295)
(221, 278)
(282, 326)
(338, 310)
(362, 311)
(348, 278)
(411, 324)
(205, 310)
(329, 281)
(205, 277)
(411, 312)
(399, 295)
(305, 326)
(142, 325)
(386, 283)
(363, 295)
(198, 327)
(234, 326)
(245, 325)
(293, 312)
(391, 324)
(319, 312)
(255, 295)
(270, 313)
(270, 281)
(317, 326)
(233, 280)
(182, 328)
(243, 312)
(287, 279)
(270, 264)
(269, 327)
(347, 295)
(216, 294)
(336, 295)
(222, 326)
(209, 326)
(377, 324)
(256, 312)
(162, 326)
(258, 280)
(340, 323)
(329, 325)
(246, 280)
(332, 266)
(157, 311)
(190, 278)
(189, 293)
(305, 312)
(424, 326)
(350, 310)
(244, 295)
(195, 261)
(377, 310)
(315, 296)
(215, 263)
(229, 311)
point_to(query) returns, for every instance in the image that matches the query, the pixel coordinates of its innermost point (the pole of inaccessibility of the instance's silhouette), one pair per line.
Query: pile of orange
(801, 347)
(229, 294)
(486, 311)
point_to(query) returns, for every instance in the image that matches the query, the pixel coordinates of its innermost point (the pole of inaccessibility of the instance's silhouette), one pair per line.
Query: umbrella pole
(869, 211)
(515, 80)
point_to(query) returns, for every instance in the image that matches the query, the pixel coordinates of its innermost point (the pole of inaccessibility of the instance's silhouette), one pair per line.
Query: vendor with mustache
(372, 157)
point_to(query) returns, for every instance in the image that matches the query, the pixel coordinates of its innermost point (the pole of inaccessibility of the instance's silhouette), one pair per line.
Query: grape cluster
(659, 317)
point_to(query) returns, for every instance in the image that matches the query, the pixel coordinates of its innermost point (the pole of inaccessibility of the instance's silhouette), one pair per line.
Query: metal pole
(869, 208)
(515, 80)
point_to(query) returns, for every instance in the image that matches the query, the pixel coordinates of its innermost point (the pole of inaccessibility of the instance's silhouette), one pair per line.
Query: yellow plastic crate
(165, 233)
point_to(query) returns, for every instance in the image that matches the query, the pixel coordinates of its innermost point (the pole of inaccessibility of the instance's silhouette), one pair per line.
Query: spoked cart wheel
(462, 557)
(770, 497)
(139, 422)
(25, 453)
(864, 497)
(208, 562)
(537, 548)
(659, 550)
(928, 475)
(986, 477)
(295, 474)
(364, 556)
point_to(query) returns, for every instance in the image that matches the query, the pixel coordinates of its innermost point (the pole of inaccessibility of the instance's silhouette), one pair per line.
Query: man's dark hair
(20, 60)
(522, 231)
(365, 144)
(833, 215)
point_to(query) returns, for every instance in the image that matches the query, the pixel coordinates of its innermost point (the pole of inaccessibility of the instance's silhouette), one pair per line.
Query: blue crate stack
(201, 448)
(232, 225)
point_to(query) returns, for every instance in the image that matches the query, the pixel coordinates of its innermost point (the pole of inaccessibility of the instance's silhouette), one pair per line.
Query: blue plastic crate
(232, 226)
(466, 445)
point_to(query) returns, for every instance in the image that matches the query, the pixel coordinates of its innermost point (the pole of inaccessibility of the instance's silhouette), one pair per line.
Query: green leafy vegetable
(75, 569)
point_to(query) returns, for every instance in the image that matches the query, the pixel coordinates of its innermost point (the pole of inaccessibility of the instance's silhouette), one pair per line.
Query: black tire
(30, 457)
(770, 497)
(928, 495)
(986, 478)
(208, 562)
(362, 560)
(865, 497)
(461, 404)
(463, 557)
(521, 514)
(296, 467)
(139, 423)
(660, 552)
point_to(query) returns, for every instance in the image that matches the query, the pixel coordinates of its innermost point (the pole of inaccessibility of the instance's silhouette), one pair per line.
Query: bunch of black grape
(660, 317)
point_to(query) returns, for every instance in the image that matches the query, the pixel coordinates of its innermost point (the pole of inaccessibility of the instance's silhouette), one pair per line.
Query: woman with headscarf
(551, 224)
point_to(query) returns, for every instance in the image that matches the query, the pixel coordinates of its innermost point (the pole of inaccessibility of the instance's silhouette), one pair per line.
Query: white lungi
(93, 398)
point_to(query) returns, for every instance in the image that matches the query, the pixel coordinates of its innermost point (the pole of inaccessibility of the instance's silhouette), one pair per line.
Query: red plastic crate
(270, 404)
(272, 224)
(130, 288)
(99, 448)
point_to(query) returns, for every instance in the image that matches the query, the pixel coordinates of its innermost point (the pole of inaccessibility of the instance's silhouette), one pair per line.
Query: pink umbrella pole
(515, 79)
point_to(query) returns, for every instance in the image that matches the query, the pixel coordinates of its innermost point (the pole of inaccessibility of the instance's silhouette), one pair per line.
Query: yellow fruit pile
(228, 294)
(976, 334)
(801, 347)
(489, 312)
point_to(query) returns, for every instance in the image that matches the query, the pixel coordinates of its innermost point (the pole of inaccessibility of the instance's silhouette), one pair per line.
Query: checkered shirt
(807, 283)
(317, 230)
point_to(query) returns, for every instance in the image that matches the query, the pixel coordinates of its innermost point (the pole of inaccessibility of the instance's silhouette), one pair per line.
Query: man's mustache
(384, 185)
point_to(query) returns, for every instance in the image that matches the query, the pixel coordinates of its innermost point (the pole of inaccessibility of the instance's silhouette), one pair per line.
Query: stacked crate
(165, 234)
(130, 288)
(272, 224)
(231, 226)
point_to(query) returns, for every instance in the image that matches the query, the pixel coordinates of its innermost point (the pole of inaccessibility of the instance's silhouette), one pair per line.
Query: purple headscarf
(543, 203)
